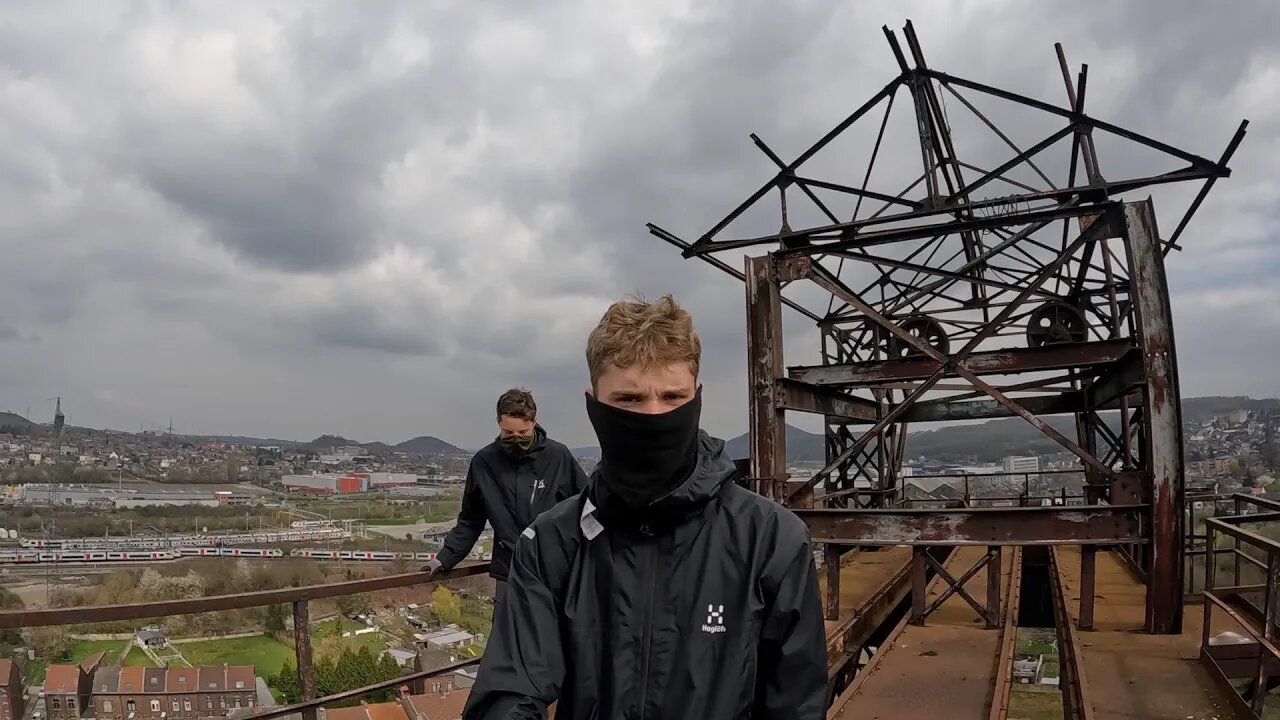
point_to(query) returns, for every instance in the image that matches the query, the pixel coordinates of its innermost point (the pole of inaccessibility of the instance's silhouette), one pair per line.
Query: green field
(83, 649)
(266, 654)
(137, 658)
(376, 642)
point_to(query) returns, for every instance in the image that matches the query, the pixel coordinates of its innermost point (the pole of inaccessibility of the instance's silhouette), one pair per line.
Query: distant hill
(801, 446)
(428, 445)
(1202, 408)
(324, 442)
(14, 422)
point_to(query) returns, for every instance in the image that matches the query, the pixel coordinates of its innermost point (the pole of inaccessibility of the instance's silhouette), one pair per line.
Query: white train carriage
(251, 552)
(315, 554)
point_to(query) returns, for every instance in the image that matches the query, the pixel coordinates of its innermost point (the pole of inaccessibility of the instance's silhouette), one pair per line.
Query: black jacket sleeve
(792, 682)
(471, 520)
(523, 666)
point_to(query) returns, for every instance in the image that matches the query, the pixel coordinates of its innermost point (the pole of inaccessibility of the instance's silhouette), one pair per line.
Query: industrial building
(120, 499)
(353, 482)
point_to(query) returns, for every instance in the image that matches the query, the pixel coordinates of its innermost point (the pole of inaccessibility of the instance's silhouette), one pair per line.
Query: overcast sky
(288, 219)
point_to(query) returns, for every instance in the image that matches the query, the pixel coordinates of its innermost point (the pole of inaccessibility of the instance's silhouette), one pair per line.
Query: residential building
(152, 637)
(172, 693)
(402, 656)
(66, 688)
(450, 637)
(443, 701)
(11, 691)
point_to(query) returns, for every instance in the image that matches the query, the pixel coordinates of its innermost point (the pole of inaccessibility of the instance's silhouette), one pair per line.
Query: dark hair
(517, 403)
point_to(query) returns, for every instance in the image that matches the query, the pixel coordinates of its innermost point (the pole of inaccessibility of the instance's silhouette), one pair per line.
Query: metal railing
(1257, 660)
(972, 496)
(1196, 544)
(298, 597)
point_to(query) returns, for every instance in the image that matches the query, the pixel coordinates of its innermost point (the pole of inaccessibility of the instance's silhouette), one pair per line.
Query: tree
(10, 600)
(275, 619)
(286, 683)
(446, 605)
(356, 604)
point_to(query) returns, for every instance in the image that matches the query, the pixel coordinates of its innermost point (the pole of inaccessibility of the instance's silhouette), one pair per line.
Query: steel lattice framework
(1028, 289)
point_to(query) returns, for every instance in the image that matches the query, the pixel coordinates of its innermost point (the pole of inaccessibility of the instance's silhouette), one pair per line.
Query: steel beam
(768, 436)
(796, 395)
(1162, 417)
(306, 672)
(1101, 524)
(993, 362)
(1116, 381)
(1058, 404)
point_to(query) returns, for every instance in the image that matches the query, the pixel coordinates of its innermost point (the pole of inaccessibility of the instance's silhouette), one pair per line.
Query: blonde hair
(645, 334)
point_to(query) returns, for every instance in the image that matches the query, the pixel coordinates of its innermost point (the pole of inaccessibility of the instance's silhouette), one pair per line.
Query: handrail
(1263, 635)
(312, 705)
(298, 596)
(1230, 526)
(237, 601)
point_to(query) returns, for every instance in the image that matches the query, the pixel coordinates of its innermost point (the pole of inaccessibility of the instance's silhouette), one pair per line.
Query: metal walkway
(947, 668)
(1130, 674)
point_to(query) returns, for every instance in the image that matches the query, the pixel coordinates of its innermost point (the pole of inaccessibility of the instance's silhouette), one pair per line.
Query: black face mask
(516, 444)
(645, 457)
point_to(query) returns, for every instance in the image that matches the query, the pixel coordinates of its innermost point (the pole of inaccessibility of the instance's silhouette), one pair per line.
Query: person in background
(665, 590)
(510, 481)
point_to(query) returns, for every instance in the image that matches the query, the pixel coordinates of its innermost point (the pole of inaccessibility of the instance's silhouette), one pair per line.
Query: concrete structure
(1015, 466)
(11, 691)
(172, 693)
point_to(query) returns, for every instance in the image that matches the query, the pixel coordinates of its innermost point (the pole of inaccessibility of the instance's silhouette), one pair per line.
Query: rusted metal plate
(993, 362)
(1103, 524)
(164, 608)
(1161, 415)
(1133, 675)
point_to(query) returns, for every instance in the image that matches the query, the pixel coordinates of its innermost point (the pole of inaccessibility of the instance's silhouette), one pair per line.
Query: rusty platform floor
(862, 575)
(1129, 674)
(945, 668)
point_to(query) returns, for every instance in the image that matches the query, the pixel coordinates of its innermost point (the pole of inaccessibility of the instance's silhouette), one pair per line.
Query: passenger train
(43, 557)
(188, 541)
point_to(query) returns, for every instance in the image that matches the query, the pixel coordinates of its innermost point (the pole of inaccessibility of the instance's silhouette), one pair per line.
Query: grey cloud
(439, 202)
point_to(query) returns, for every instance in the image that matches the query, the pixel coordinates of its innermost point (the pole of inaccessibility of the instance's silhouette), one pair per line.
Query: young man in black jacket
(510, 482)
(665, 590)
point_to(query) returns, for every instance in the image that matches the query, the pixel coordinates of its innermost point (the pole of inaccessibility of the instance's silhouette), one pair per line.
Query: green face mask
(517, 445)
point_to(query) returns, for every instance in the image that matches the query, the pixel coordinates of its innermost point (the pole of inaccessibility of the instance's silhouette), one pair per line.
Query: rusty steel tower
(1028, 287)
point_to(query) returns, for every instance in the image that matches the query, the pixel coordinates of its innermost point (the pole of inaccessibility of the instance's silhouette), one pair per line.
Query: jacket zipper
(647, 627)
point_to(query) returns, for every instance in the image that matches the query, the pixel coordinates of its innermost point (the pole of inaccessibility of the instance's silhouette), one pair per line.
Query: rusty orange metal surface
(945, 668)
(871, 584)
(1133, 675)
